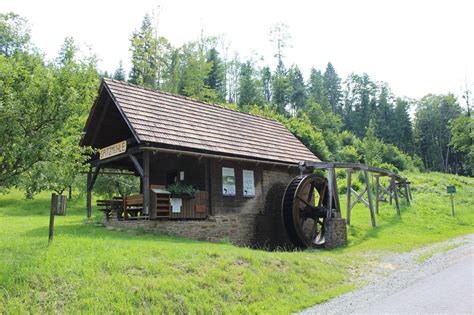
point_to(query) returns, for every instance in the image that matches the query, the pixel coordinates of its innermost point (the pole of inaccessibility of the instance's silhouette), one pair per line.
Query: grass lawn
(90, 269)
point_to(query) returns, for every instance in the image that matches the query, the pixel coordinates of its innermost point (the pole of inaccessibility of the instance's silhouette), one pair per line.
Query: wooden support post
(407, 196)
(335, 191)
(331, 193)
(146, 182)
(349, 193)
(377, 196)
(89, 195)
(54, 203)
(409, 191)
(369, 197)
(395, 194)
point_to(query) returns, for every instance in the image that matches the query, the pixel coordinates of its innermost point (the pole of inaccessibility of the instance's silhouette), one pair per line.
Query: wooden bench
(110, 206)
(133, 207)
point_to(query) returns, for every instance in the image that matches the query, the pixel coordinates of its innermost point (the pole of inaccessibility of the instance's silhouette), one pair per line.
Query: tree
(332, 86)
(119, 73)
(317, 90)
(371, 147)
(249, 93)
(266, 78)
(402, 128)
(433, 116)
(14, 34)
(195, 71)
(280, 89)
(297, 89)
(280, 37)
(149, 55)
(42, 105)
(216, 77)
(462, 141)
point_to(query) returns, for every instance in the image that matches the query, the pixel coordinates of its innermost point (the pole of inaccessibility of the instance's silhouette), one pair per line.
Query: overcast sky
(417, 47)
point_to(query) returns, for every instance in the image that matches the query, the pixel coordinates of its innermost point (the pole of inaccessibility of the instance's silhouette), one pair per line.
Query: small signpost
(451, 190)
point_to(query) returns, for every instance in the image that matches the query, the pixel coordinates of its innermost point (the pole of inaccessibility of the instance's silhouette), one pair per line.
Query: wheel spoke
(311, 192)
(304, 201)
(322, 195)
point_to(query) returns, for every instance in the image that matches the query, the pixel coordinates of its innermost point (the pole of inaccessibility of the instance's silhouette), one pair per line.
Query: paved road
(450, 291)
(444, 284)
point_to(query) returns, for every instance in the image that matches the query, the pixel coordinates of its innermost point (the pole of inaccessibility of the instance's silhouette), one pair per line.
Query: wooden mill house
(237, 164)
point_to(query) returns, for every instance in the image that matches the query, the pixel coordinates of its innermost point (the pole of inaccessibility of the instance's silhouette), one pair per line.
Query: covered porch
(162, 173)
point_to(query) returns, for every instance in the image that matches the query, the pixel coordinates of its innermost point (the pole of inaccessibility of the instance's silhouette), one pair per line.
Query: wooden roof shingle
(163, 118)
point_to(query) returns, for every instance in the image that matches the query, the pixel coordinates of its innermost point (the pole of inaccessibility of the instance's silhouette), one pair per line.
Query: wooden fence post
(54, 201)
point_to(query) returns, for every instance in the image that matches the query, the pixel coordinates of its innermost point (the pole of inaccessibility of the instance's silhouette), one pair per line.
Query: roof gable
(167, 119)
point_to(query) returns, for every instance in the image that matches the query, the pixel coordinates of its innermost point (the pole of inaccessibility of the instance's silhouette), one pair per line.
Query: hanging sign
(112, 150)
(249, 183)
(228, 181)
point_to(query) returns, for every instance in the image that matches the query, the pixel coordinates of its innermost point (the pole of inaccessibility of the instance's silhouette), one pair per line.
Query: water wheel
(304, 209)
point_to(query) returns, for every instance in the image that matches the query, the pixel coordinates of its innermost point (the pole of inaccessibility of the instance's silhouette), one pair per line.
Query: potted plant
(180, 190)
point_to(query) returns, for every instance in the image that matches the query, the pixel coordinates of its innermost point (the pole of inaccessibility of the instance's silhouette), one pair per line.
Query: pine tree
(280, 89)
(119, 73)
(266, 79)
(298, 98)
(143, 46)
(332, 85)
(316, 89)
(216, 77)
(249, 93)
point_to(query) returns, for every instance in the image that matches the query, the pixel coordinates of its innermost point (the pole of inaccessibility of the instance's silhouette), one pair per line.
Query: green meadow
(91, 269)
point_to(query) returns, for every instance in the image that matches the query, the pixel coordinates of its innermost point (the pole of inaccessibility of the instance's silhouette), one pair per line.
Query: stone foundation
(335, 232)
(237, 229)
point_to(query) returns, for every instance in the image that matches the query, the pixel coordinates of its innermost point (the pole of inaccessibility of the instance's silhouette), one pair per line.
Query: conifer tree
(332, 85)
(316, 89)
(119, 73)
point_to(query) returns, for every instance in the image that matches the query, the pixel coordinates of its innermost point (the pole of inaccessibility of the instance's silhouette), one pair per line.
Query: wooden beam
(94, 177)
(146, 182)
(377, 197)
(369, 197)
(359, 197)
(337, 206)
(407, 196)
(348, 192)
(395, 196)
(137, 165)
(331, 194)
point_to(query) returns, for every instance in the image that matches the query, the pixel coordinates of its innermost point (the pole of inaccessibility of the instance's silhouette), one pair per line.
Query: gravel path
(403, 277)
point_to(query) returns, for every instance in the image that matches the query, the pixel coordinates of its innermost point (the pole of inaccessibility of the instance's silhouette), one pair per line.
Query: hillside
(95, 270)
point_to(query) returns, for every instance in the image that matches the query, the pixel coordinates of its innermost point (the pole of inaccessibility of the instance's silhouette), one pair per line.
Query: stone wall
(335, 232)
(237, 229)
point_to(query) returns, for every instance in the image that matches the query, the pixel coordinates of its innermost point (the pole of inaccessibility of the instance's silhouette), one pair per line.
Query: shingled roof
(161, 118)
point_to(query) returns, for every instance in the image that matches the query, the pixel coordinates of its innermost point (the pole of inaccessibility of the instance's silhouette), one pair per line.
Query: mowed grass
(90, 269)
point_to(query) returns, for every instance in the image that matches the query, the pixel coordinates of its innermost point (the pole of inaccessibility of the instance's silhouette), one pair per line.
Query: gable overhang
(98, 113)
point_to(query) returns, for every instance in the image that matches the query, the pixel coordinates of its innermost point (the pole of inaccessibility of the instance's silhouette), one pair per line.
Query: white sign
(112, 150)
(176, 204)
(249, 183)
(228, 181)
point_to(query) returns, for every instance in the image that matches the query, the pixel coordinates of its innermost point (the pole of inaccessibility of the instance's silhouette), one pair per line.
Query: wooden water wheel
(304, 209)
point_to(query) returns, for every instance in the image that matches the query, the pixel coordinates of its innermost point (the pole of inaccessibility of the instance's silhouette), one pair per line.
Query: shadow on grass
(98, 232)
(16, 207)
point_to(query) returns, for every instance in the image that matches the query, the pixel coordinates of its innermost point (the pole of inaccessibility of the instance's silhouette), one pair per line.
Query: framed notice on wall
(228, 181)
(249, 183)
